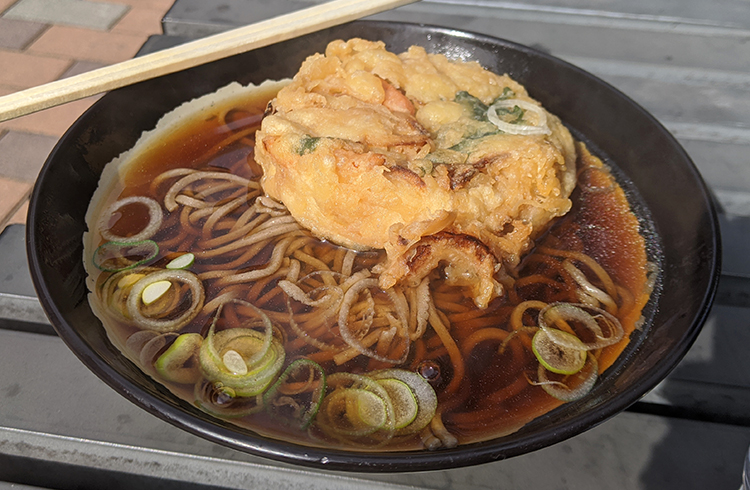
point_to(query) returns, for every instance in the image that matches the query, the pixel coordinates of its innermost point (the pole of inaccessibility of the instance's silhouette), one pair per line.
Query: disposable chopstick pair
(191, 54)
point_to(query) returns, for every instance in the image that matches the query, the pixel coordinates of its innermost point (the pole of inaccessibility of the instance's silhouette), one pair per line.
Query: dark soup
(217, 292)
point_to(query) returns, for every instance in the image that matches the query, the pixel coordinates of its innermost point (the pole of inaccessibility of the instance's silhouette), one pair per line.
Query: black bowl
(667, 192)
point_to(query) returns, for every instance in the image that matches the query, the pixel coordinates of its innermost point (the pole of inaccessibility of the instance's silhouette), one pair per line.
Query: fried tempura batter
(370, 149)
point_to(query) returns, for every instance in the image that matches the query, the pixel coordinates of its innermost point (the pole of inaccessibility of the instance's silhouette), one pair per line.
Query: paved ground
(45, 40)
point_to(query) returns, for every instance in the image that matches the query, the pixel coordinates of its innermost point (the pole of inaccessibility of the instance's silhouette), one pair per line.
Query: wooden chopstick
(191, 54)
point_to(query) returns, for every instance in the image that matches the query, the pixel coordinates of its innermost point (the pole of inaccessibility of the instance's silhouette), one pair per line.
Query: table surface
(686, 61)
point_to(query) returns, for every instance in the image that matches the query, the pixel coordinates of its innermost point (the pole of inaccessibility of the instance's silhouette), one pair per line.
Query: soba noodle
(291, 336)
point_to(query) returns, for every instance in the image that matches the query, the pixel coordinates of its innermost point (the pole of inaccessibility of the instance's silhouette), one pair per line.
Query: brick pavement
(45, 40)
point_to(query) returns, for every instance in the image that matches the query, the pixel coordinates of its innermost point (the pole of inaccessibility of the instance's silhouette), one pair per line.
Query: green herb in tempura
(470, 137)
(511, 116)
(307, 145)
(477, 109)
(508, 93)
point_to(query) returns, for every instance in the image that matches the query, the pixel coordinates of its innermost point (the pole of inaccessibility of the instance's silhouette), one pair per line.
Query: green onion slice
(553, 350)
(179, 362)
(182, 262)
(587, 321)
(296, 396)
(514, 107)
(120, 256)
(155, 217)
(115, 290)
(355, 412)
(356, 406)
(154, 291)
(140, 313)
(153, 346)
(421, 392)
(573, 387)
(404, 402)
(262, 354)
(137, 341)
(222, 401)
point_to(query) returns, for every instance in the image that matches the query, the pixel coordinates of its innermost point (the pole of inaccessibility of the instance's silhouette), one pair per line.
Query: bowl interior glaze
(665, 188)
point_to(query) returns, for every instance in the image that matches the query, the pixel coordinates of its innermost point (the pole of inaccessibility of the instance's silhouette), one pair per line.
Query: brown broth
(495, 396)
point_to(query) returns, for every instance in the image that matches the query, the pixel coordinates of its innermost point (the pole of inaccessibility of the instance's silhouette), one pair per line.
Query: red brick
(5, 4)
(19, 218)
(162, 5)
(23, 154)
(87, 44)
(22, 70)
(80, 67)
(140, 21)
(17, 34)
(12, 196)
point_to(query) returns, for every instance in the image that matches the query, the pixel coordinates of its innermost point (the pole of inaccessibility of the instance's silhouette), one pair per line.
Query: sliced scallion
(553, 349)
(120, 256)
(154, 291)
(571, 387)
(422, 391)
(515, 107)
(222, 401)
(261, 353)
(129, 279)
(355, 412)
(356, 406)
(296, 396)
(155, 217)
(182, 262)
(606, 328)
(404, 402)
(135, 301)
(173, 365)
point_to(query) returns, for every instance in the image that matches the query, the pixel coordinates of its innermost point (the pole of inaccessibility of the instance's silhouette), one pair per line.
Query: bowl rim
(399, 461)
